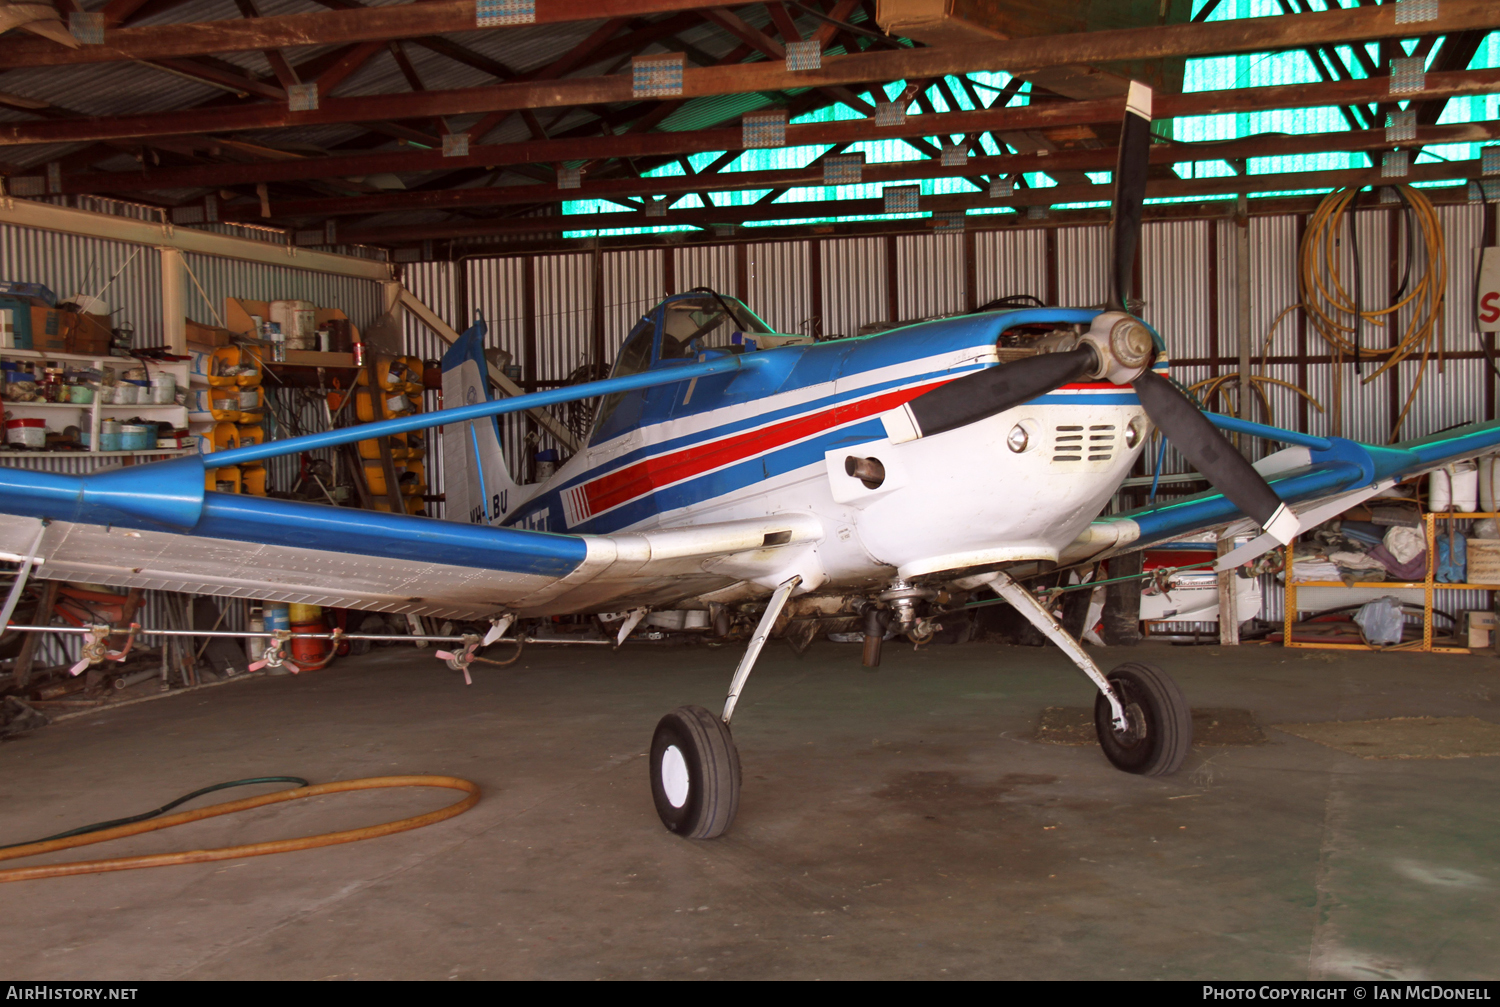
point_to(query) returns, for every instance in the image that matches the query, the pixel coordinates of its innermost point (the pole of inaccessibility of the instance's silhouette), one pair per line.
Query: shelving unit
(1428, 585)
(95, 412)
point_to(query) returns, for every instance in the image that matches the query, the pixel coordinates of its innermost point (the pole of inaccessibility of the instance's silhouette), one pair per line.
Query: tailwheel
(1160, 729)
(695, 773)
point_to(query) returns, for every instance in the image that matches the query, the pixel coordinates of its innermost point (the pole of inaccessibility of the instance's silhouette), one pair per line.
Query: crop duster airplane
(733, 468)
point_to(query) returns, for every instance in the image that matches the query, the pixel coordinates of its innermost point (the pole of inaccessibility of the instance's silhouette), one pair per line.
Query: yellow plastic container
(391, 374)
(390, 405)
(252, 402)
(238, 359)
(251, 434)
(253, 480)
(375, 478)
(416, 486)
(413, 378)
(224, 404)
(225, 436)
(223, 480)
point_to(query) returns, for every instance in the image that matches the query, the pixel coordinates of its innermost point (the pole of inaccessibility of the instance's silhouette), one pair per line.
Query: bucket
(28, 432)
(109, 435)
(137, 437)
(304, 613)
(163, 389)
(308, 652)
(274, 613)
(255, 646)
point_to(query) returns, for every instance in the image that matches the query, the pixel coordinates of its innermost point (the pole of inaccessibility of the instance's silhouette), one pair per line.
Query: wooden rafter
(947, 203)
(780, 180)
(373, 24)
(1246, 35)
(718, 139)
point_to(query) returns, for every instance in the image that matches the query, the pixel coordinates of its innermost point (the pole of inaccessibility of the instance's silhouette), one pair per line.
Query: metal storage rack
(96, 411)
(1428, 585)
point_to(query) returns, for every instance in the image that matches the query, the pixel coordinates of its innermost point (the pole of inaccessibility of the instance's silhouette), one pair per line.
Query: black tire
(691, 741)
(1161, 722)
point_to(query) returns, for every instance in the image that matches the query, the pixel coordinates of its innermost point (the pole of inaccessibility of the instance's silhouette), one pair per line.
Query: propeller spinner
(1117, 348)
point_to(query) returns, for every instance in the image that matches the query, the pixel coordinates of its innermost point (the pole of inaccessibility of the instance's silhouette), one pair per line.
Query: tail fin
(477, 482)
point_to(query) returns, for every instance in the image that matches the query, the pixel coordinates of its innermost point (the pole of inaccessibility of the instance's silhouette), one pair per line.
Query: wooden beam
(1009, 118)
(1219, 37)
(449, 335)
(948, 203)
(372, 24)
(1202, 209)
(47, 217)
(351, 61)
(1078, 160)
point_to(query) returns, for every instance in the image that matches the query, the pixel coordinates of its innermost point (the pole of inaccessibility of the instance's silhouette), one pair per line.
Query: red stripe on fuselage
(633, 481)
(652, 473)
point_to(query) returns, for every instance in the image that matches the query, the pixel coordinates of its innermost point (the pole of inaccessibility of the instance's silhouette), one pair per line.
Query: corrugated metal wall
(931, 269)
(1008, 263)
(854, 284)
(70, 264)
(553, 312)
(73, 264)
(780, 280)
(221, 278)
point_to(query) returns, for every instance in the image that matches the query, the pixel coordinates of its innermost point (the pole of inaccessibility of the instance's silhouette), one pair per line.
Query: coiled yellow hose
(1333, 310)
(249, 849)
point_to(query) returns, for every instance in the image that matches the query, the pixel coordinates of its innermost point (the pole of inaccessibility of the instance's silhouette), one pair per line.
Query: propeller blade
(993, 390)
(1201, 443)
(1130, 190)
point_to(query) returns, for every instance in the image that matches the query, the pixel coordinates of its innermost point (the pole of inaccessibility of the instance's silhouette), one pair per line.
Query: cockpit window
(635, 356)
(692, 324)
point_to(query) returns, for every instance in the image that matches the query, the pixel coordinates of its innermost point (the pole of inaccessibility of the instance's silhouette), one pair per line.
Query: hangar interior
(225, 227)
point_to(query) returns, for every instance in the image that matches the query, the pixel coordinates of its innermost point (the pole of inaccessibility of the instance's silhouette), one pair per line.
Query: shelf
(1403, 584)
(48, 405)
(84, 357)
(155, 452)
(1430, 586)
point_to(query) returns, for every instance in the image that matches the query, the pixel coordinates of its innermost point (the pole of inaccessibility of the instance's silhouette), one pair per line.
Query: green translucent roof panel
(1217, 73)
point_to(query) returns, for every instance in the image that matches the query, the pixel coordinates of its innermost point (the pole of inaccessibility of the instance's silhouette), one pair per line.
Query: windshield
(707, 322)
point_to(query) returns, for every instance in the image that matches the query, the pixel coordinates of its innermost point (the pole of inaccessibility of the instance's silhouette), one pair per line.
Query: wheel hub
(674, 776)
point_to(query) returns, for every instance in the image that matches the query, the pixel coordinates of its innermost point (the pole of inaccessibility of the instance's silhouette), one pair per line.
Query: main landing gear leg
(695, 768)
(1144, 723)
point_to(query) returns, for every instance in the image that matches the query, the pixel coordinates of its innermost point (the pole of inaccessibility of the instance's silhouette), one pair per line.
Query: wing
(152, 526)
(1319, 477)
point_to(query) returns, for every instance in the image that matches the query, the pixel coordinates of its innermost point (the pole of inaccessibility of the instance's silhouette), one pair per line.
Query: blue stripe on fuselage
(806, 366)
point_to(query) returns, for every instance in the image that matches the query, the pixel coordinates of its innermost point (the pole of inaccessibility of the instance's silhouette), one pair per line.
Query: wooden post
(1229, 609)
(21, 676)
(1244, 339)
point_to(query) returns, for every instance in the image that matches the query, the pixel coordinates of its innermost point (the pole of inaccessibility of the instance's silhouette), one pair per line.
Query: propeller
(1117, 348)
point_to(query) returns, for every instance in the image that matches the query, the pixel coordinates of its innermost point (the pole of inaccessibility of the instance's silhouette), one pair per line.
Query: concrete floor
(896, 824)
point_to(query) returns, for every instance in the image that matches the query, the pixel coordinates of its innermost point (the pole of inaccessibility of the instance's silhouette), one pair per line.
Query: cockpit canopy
(680, 328)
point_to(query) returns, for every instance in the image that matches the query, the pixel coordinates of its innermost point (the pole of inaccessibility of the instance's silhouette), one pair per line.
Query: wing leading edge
(1313, 472)
(153, 526)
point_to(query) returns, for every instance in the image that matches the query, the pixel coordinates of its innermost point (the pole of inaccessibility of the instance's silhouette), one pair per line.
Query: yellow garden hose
(1335, 313)
(236, 852)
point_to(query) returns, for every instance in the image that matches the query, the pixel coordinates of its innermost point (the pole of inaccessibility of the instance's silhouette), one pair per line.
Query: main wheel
(1160, 730)
(695, 773)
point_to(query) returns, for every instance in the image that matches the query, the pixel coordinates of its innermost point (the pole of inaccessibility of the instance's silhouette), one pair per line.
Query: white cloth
(1406, 544)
